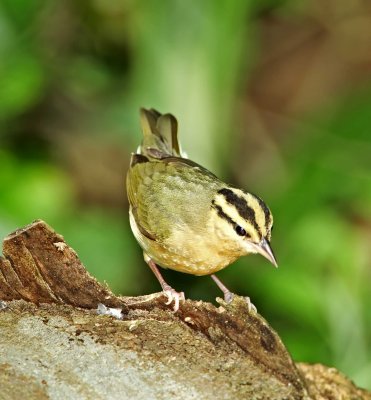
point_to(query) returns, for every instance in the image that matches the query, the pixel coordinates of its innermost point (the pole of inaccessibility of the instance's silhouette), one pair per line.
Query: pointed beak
(265, 250)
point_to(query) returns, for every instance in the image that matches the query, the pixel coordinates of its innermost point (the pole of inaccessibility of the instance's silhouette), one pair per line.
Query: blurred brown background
(273, 96)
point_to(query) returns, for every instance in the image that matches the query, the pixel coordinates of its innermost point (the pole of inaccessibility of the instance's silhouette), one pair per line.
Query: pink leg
(228, 295)
(171, 294)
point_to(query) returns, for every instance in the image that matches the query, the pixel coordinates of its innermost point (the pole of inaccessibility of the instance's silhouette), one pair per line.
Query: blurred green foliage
(254, 104)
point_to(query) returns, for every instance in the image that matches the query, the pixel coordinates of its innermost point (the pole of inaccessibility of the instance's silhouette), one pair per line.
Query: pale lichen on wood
(53, 345)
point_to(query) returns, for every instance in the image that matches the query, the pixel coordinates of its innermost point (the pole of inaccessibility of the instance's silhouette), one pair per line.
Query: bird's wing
(164, 194)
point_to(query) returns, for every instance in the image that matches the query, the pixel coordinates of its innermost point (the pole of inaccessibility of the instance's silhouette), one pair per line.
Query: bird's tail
(160, 135)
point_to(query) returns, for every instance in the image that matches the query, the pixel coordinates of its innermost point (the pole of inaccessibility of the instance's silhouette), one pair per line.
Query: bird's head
(242, 222)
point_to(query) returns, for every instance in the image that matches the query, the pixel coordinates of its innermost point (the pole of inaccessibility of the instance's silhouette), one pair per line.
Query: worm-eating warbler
(183, 216)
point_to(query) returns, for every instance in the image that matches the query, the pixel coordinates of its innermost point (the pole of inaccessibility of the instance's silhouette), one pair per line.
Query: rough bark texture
(53, 345)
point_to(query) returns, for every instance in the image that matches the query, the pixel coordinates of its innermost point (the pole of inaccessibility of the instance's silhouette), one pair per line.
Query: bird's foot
(228, 298)
(173, 296)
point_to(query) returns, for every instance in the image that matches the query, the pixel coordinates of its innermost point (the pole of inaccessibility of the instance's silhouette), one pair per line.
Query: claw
(169, 297)
(173, 296)
(250, 305)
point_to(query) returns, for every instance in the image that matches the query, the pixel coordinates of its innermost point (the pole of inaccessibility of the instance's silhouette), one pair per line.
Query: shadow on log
(54, 345)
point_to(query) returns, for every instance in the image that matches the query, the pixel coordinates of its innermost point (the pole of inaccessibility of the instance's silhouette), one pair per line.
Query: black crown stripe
(243, 209)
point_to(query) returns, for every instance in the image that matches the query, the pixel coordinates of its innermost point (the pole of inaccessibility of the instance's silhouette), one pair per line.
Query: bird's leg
(171, 294)
(228, 295)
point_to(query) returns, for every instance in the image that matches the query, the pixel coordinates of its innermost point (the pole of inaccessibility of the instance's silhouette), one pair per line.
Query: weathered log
(54, 345)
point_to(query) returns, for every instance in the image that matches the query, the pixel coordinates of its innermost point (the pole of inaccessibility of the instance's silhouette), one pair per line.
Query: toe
(228, 297)
(169, 295)
(250, 305)
(176, 304)
(174, 296)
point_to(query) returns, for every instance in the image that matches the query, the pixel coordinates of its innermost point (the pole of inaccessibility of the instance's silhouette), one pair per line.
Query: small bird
(183, 216)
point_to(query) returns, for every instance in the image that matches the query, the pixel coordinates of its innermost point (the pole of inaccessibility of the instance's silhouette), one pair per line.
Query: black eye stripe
(222, 214)
(243, 209)
(239, 230)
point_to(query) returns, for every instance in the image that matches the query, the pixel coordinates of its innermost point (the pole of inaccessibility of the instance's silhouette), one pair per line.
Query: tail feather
(160, 134)
(148, 119)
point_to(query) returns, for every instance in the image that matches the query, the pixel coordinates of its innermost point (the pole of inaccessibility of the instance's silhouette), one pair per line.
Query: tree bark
(54, 345)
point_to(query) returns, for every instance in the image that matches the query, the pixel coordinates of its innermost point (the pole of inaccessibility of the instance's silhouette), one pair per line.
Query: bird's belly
(188, 265)
(193, 257)
(185, 252)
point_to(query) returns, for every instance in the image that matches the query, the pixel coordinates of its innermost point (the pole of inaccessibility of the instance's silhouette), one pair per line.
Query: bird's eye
(240, 231)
